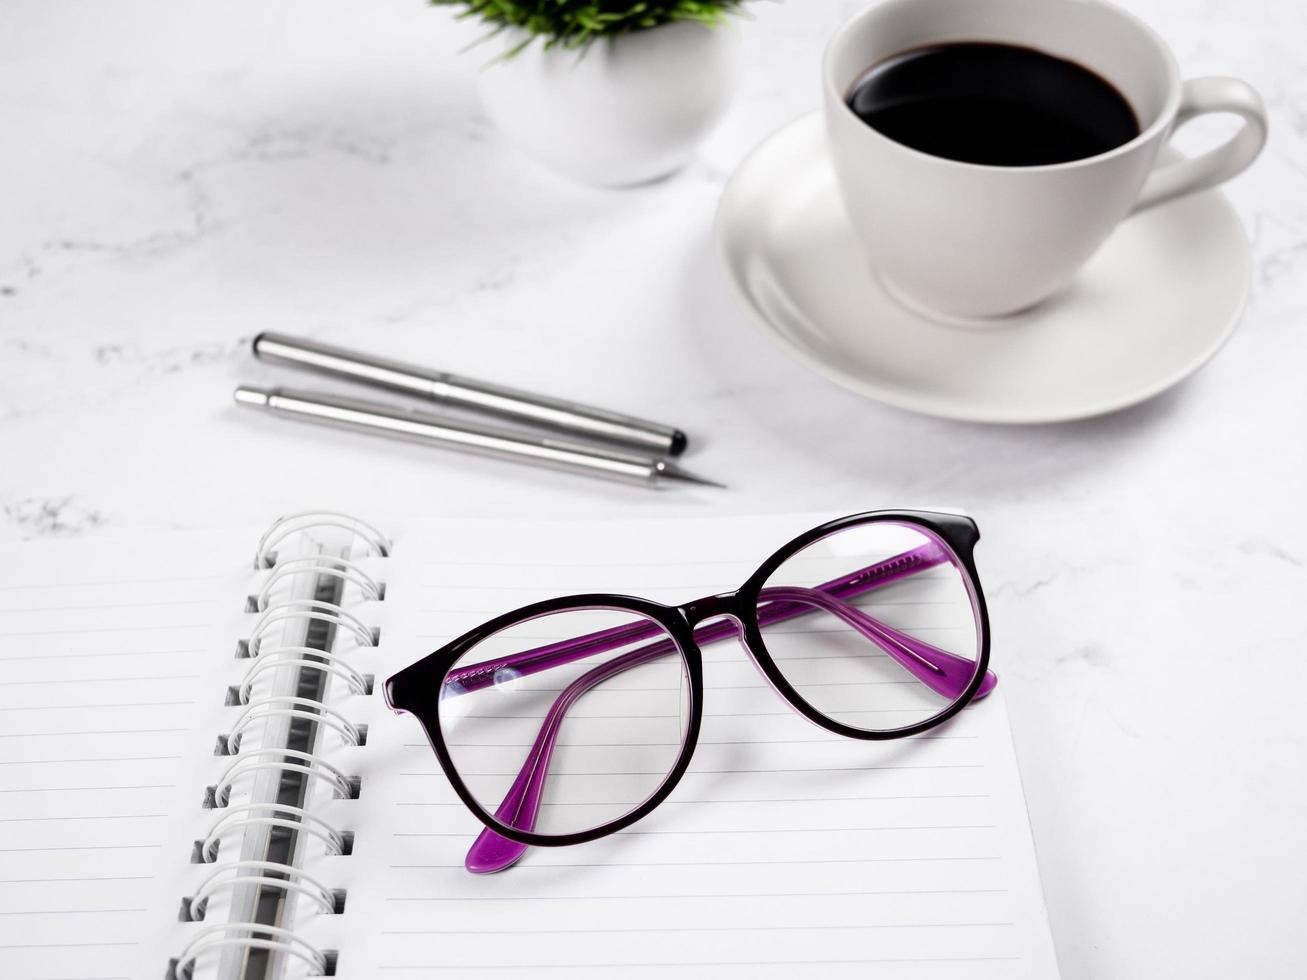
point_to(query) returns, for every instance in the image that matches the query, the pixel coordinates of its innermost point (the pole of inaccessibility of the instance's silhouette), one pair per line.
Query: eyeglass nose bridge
(711, 606)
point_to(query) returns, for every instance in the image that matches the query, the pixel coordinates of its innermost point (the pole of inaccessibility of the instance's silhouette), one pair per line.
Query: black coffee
(994, 104)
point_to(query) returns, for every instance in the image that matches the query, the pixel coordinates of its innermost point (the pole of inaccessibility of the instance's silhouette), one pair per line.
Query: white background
(175, 177)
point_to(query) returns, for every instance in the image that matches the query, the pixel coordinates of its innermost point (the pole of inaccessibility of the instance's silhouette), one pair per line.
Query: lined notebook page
(115, 654)
(784, 851)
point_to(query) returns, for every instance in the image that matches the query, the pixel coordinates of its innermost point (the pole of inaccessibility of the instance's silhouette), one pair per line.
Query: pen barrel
(556, 414)
(415, 426)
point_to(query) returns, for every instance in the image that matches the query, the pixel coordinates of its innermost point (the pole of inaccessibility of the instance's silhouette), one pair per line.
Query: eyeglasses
(572, 718)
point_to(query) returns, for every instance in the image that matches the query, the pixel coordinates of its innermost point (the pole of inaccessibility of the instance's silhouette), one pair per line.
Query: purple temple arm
(944, 673)
(521, 804)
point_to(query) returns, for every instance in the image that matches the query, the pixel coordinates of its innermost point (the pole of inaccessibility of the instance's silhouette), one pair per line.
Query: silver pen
(432, 430)
(561, 416)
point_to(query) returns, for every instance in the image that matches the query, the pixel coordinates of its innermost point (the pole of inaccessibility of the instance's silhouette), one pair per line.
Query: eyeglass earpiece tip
(491, 852)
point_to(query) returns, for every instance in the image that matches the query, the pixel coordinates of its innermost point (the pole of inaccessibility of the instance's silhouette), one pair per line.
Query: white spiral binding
(313, 610)
(341, 568)
(309, 765)
(282, 528)
(283, 815)
(327, 663)
(289, 706)
(271, 938)
(246, 764)
(295, 881)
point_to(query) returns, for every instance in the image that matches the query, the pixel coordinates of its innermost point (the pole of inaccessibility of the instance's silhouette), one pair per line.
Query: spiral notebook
(198, 778)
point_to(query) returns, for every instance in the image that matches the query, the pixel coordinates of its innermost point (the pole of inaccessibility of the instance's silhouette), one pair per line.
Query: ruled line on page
(758, 686)
(761, 863)
(69, 911)
(546, 593)
(46, 881)
(81, 847)
(604, 565)
(105, 731)
(767, 631)
(62, 945)
(188, 652)
(834, 740)
(122, 758)
(107, 605)
(769, 799)
(117, 583)
(120, 679)
(716, 714)
(739, 831)
(718, 772)
(661, 964)
(137, 628)
(738, 658)
(89, 816)
(87, 789)
(98, 706)
(684, 896)
(693, 929)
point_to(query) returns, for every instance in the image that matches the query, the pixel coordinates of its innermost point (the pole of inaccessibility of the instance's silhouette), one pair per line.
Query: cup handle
(1198, 97)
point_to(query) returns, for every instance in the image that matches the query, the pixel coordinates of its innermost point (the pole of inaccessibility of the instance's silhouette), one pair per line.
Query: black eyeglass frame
(414, 689)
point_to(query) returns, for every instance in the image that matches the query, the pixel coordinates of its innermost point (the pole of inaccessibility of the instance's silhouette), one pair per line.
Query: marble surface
(176, 177)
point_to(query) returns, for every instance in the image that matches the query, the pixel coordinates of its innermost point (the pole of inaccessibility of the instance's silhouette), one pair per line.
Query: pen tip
(672, 472)
(245, 395)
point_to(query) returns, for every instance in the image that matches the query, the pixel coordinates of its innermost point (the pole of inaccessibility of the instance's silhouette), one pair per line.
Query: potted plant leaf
(608, 92)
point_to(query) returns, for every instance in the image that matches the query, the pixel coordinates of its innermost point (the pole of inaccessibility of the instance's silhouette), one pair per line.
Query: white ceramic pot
(624, 110)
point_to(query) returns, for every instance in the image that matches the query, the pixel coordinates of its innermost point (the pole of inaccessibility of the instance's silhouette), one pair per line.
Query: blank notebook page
(114, 659)
(785, 850)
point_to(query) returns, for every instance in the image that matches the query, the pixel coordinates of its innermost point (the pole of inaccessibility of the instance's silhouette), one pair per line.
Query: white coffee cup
(970, 240)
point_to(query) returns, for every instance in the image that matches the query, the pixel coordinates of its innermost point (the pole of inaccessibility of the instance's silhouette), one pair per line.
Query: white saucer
(1153, 305)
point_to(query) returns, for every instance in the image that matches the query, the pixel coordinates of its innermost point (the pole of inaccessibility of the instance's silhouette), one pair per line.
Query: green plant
(575, 23)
